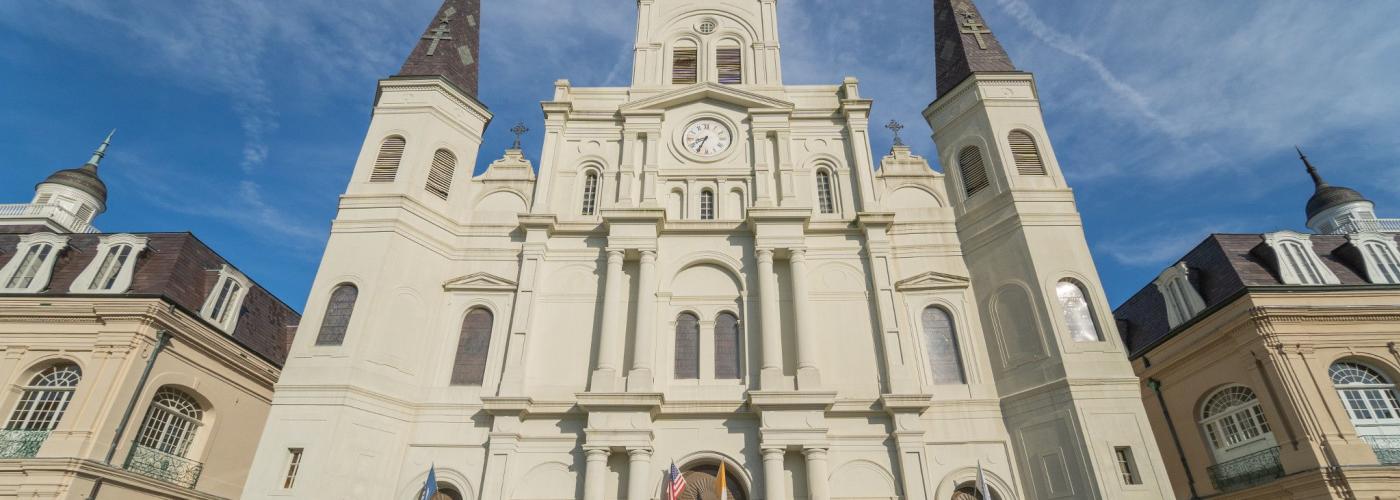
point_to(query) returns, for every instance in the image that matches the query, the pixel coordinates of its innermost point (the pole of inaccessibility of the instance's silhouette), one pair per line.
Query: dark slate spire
(964, 44)
(1327, 196)
(451, 47)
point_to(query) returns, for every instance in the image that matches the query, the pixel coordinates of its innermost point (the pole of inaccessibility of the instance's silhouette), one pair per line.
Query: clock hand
(701, 144)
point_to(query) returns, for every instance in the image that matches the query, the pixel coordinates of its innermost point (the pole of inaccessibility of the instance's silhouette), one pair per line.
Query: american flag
(677, 483)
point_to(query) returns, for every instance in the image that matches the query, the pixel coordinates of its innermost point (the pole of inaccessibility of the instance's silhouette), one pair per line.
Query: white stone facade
(582, 394)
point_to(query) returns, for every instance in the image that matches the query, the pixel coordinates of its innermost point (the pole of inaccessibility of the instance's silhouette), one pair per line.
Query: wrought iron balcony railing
(1387, 448)
(1354, 225)
(160, 465)
(1248, 471)
(21, 444)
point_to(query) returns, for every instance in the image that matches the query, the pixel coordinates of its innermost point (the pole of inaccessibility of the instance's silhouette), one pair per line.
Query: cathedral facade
(708, 268)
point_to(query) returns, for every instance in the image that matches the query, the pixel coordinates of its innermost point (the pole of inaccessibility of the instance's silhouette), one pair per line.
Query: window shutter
(43, 199)
(386, 167)
(687, 347)
(731, 65)
(974, 171)
(1027, 156)
(686, 66)
(440, 176)
(727, 347)
(472, 346)
(84, 213)
(337, 319)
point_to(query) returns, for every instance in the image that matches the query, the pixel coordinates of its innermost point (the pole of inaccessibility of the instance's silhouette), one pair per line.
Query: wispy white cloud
(1162, 244)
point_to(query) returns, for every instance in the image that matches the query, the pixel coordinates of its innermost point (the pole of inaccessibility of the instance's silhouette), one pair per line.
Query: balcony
(1387, 448)
(157, 464)
(21, 444)
(1248, 471)
(45, 215)
(1349, 225)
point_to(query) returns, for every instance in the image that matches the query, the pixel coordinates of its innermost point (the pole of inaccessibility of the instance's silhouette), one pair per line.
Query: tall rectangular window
(685, 67)
(112, 264)
(730, 63)
(1127, 465)
(29, 266)
(293, 465)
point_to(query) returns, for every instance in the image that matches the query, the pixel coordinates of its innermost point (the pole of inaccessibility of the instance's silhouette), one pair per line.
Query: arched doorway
(969, 492)
(702, 484)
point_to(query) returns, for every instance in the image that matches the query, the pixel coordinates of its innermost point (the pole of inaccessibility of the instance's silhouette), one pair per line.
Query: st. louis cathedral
(708, 267)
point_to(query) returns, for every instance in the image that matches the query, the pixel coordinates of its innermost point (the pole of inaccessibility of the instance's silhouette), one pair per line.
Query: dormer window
(1183, 301)
(1297, 263)
(226, 299)
(32, 266)
(112, 269)
(1380, 255)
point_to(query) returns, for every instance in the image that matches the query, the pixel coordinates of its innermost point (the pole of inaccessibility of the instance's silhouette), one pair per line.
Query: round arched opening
(702, 483)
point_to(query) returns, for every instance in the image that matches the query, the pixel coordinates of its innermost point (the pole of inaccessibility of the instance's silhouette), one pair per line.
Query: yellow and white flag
(723, 489)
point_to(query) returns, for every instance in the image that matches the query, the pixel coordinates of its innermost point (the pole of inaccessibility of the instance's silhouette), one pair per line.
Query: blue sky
(240, 121)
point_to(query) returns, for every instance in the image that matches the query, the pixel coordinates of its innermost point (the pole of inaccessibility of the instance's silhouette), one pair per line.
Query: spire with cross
(964, 44)
(519, 130)
(449, 47)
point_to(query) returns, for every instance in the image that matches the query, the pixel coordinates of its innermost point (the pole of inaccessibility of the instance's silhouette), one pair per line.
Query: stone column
(595, 473)
(638, 474)
(808, 375)
(612, 338)
(639, 379)
(818, 485)
(771, 374)
(773, 474)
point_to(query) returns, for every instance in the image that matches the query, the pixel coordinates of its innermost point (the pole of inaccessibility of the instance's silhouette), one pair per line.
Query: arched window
(1386, 263)
(171, 422)
(941, 345)
(685, 63)
(440, 175)
(707, 205)
(1233, 418)
(1369, 397)
(43, 401)
(969, 492)
(386, 166)
(112, 264)
(445, 492)
(727, 340)
(729, 63)
(338, 312)
(687, 347)
(590, 194)
(973, 170)
(1079, 316)
(826, 196)
(1026, 154)
(472, 345)
(33, 259)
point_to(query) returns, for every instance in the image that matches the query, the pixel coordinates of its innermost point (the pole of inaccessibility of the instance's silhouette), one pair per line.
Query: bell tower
(1068, 395)
(683, 42)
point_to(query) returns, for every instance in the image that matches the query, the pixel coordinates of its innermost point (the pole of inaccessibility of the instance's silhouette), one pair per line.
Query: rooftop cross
(519, 130)
(973, 26)
(438, 35)
(896, 127)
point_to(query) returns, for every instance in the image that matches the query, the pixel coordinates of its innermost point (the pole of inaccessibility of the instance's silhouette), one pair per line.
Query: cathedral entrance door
(702, 483)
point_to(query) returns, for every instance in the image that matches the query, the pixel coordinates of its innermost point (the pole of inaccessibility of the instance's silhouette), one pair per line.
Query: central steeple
(964, 44)
(684, 42)
(451, 46)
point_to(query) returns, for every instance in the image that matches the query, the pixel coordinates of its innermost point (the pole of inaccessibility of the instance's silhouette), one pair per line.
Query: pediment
(932, 281)
(703, 91)
(477, 282)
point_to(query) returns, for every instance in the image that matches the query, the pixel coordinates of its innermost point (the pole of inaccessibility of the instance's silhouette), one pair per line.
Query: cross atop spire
(964, 44)
(450, 47)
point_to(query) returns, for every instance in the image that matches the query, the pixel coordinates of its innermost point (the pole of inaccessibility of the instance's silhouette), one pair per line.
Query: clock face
(707, 137)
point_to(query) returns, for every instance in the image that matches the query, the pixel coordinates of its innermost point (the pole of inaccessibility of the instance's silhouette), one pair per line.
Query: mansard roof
(451, 46)
(964, 44)
(182, 270)
(1223, 267)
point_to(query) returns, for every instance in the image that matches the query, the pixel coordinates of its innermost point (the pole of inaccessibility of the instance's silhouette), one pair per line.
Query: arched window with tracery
(1077, 311)
(1369, 396)
(386, 165)
(826, 192)
(1234, 423)
(473, 344)
(338, 312)
(171, 422)
(687, 347)
(973, 170)
(941, 345)
(727, 341)
(590, 194)
(43, 402)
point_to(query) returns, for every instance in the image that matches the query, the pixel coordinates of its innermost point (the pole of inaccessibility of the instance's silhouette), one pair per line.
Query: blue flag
(430, 487)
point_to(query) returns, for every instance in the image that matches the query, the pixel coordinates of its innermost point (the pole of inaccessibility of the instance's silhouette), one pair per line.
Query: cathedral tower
(1068, 395)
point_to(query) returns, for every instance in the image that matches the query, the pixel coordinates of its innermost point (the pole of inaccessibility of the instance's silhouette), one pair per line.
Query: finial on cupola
(101, 151)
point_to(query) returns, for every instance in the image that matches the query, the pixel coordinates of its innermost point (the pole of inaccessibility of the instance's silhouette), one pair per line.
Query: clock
(707, 137)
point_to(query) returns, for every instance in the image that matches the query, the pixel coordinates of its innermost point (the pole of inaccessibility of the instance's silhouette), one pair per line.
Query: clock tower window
(729, 64)
(685, 64)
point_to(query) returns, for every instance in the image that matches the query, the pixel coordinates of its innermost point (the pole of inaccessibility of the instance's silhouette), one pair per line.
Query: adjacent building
(710, 267)
(1270, 361)
(135, 365)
